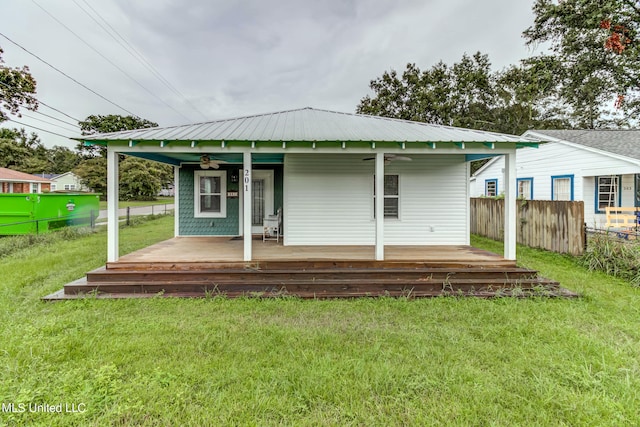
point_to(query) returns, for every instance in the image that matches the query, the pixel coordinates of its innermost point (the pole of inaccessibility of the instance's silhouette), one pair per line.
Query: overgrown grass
(615, 257)
(215, 361)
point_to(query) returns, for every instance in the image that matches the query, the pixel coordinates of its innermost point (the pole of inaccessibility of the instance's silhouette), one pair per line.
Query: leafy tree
(22, 152)
(93, 174)
(62, 159)
(139, 179)
(108, 123)
(468, 94)
(17, 87)
(595, 56)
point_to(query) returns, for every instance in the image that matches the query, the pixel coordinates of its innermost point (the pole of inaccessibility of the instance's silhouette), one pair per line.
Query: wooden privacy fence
(556, 226)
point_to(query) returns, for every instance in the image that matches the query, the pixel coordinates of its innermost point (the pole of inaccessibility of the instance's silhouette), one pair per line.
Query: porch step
(318, 287)
(287, 275)
(304, 264)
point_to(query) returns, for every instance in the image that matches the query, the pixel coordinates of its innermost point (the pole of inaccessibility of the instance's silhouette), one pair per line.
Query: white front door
(262, 198)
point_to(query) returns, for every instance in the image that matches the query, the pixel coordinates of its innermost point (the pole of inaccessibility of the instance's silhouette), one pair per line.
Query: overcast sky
(224, 58)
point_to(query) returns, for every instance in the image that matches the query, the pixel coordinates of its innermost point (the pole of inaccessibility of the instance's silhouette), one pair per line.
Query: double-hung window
(607, 192)
(562, 187)
(210, 190)
(525, 188)
(391, 196)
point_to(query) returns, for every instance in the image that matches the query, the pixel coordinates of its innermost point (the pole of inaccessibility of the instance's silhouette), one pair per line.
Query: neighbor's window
(34, 187)
(637, 189)
(525, 188)
(53, 187)
(391, 196)
(210, 189)
(491, 187)
(69, 186)
(608, 191)
(562, 187)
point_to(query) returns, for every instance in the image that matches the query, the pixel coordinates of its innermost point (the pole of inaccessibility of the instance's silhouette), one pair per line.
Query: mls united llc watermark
(56, 408)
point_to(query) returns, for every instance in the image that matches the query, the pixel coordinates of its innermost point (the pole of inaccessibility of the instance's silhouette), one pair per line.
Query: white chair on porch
(272, 226)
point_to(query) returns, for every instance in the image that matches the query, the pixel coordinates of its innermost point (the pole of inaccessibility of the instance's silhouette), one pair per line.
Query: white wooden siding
(329, 200)
(555, 159)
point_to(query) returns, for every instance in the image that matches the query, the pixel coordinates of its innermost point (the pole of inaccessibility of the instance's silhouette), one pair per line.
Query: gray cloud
(233, 58)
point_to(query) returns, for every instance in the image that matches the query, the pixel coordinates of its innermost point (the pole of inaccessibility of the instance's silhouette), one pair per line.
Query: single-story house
(67, 181)
(344, 190)
(12, 181)
(599, 167)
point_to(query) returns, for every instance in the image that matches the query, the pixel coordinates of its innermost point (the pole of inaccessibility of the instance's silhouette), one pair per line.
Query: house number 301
(247, 179)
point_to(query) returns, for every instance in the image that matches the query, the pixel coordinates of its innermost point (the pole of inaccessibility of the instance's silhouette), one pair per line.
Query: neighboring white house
(68, 181)
(599, 167)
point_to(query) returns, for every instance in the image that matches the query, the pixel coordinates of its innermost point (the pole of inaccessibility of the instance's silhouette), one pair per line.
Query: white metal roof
(308, 124)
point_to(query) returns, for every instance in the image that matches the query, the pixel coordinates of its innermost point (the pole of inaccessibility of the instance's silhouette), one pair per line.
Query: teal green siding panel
(229, 226)
(191, 226)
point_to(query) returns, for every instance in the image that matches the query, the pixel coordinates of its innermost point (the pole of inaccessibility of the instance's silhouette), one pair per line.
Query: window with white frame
(562, 187)
(69, 186)
(210, 190)
(607, 192)
(491, 187)
(53, 187)
(34, 187)
(391, 196)
(525, 188)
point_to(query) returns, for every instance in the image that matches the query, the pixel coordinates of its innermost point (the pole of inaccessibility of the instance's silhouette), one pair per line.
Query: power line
(68, 76)
(55, 118)
(46, 105)
(48, 122)
(59, 111)
(135, 53)
(41, 102)
(35, 127)
(109, 61)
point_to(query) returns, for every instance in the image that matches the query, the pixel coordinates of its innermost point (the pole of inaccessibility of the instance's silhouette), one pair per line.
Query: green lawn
(135, 203)
(443, 361)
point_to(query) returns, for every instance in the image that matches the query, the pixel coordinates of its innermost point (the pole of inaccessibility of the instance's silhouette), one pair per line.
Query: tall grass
(612, 256)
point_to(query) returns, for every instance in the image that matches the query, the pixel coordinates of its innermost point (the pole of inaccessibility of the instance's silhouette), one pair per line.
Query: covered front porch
(214, 249)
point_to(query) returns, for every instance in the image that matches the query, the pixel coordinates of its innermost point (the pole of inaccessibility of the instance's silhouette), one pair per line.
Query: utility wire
(68, 76)
(45, 104)
(35, 127)
(55, 118)
(48, 122)
(135, 53)
(109, 61)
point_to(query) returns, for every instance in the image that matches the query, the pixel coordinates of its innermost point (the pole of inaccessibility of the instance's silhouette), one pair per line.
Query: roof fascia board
(300, 150)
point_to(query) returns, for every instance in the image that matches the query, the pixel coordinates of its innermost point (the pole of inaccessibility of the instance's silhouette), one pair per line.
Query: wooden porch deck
(206, 266)
(225, 249)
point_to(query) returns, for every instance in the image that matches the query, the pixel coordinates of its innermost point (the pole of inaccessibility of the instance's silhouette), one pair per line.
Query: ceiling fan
(206, 162)
(388, 158)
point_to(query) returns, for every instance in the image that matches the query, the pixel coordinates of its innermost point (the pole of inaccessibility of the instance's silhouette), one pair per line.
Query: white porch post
(510, 193)
(112, 205)
(246, 186)
(176, 201)
(379, 206)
